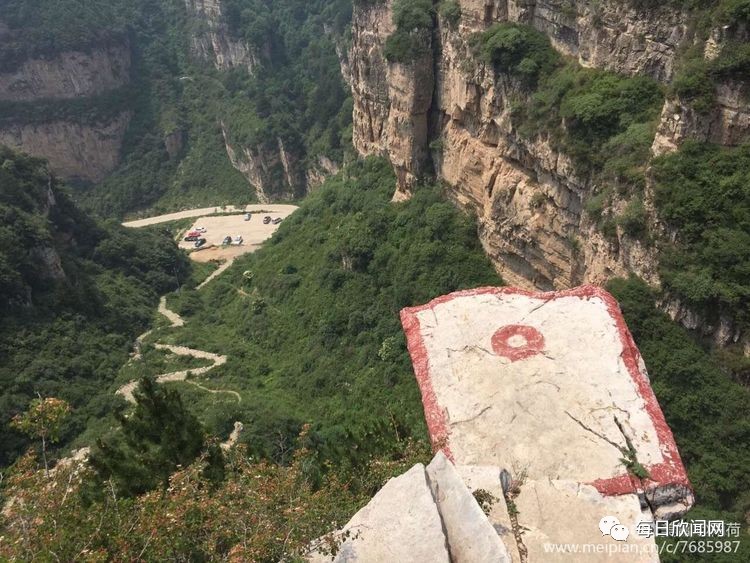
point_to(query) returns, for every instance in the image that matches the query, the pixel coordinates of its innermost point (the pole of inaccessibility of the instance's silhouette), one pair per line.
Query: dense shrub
(259, 511)
(603, 120)
(693, 84)
(414, 22)
(703, 192)
(515, 49)
(450, 11)
(633, 219)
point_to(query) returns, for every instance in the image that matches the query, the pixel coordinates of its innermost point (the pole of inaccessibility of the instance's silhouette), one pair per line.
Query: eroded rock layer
(449, 114)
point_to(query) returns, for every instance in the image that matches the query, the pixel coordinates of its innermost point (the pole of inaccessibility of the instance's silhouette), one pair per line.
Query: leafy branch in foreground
(43, 420)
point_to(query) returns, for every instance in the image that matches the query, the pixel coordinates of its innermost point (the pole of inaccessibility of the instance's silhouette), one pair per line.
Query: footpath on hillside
(216, 360)
(216, 223)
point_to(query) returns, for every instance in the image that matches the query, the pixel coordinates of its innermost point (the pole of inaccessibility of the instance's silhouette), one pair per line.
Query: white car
(201, 229)
(238, 240)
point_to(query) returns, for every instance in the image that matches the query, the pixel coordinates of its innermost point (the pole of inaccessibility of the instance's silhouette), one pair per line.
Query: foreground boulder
(426, 515)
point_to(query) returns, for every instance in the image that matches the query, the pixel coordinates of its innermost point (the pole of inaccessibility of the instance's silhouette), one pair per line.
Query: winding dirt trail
(255, 233)
(172, 317)
(182, 375)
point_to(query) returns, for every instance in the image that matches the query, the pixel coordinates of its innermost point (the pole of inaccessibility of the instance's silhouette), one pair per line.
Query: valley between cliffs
(446, 112)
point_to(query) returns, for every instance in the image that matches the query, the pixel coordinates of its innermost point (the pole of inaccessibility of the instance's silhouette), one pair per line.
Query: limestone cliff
(449, 113)
(272, 171)
(391, 101)
(399, 108)
(71, 74)
(212, 41)
(76, 148)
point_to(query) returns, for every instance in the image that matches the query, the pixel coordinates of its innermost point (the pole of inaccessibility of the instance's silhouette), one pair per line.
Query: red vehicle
(194, 234)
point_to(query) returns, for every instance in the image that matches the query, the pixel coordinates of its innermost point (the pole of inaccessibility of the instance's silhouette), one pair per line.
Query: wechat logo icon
(610, 526)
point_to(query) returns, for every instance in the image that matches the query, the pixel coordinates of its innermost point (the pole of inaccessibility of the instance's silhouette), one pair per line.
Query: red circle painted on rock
(534, 342)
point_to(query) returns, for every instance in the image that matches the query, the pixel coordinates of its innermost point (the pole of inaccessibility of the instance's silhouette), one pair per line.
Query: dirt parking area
(253, 232)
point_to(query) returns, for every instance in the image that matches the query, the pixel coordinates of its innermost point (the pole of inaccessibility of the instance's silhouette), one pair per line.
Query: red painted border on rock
(670, 472)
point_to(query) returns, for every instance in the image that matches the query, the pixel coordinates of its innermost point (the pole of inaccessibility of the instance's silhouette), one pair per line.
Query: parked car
(248, 216)
(200, 242)
(191, 238)
(227, 240)
(277, 220)
(201, 229)
(194, 234)
(238, 240)
(266, 219)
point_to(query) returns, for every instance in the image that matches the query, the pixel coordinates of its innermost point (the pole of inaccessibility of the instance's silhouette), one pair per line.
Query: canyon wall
(74, 150)
(67, 75)
(450, 114)
(275, 172)
(212, 41)
(78, 148)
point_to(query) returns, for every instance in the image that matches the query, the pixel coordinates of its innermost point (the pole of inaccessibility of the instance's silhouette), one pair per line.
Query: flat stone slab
(560, 522)
(546, 385)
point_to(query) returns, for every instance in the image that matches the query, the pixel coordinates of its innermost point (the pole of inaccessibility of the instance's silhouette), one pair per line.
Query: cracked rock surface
(574, 407)
(426, 515)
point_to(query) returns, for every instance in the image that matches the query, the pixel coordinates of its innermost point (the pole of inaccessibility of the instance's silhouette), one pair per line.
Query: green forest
(75, 293)
(310, 321)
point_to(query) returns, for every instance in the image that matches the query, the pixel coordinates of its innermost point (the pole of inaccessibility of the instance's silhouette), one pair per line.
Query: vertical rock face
(391, 100)
(527, 196)
(726, 123)
(74, 150)
(451, 115)
(613, 34)
(212, 40)
(320, 171)
(610, 34)
(274, 172)
(67, 75)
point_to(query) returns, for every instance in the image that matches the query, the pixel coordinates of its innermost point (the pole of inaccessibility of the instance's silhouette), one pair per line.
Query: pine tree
(159, 435)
